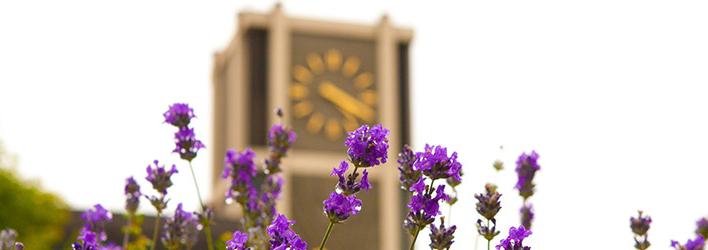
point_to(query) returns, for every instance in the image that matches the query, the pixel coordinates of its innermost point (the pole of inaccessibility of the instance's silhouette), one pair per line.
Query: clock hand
(346, 102)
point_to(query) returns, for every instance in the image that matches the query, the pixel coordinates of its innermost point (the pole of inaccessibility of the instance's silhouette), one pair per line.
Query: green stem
(207, 229)
(126, 236)
(154, 232)
(414, 239)
(489, 241)
(326, 236)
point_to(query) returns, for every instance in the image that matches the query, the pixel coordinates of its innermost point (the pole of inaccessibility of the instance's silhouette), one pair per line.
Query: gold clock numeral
(368, 97)
(314, 124)
(315, 63)
(363, 80)
(302, 109)
(302, 74)
(334, 60)
(351, 66)
(333, 129)
(299, 91)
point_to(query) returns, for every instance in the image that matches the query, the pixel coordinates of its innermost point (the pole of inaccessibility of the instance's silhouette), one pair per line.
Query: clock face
(332, 91)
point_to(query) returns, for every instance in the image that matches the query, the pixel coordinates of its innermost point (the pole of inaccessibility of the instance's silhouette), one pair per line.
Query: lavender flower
(488, 204)
(441, 237)
(702, 227)
(367, 147)
(526, 167)
(181, 230)
(238, 241)
(407, 173)
(271, 190)
(19, 246)
(696, 244)
(280, 138)
(159, 177)
(241, 168)
(186, 144)
(339, 207)
(95, 220)
(527, 215)
(350, 185)
(179, 115)
(86, 241)
(282, 237)
(423, 206)
(132, 195)
(640, 227)
(515, 239)
(435, 163)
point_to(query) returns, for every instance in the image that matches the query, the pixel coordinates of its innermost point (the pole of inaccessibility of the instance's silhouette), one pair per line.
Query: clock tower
(329, 78)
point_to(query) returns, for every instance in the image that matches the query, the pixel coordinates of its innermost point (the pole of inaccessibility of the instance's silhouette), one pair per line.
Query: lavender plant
(433, 164)
(159, 177)
(187, 146)
(488, 205)
(258, 204)
(367, 147)
(134, 221)
(442, 237)
(93, 235)
(8, 241)
(640, 227)
(515, 240)
(526, 168)
(181, 230)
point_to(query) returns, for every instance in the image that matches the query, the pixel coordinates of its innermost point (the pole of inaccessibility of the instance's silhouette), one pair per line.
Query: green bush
(37, 216)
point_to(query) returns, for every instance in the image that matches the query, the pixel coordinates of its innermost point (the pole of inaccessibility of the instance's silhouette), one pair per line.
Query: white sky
(609, 92)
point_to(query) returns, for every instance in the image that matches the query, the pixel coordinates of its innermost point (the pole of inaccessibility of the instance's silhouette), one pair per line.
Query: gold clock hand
(346, 102)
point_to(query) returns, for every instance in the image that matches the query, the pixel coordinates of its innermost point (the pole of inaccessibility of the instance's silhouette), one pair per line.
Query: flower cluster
(436, 164)
(702, 227)
(8, 241)
(160, 178)
(488, 205)
(238, 241)
(181, 230)
(186, 143)
(95, 220)
(282, 237)
(367, 146)
(640, 226)
(132, 195)
(526, 167)
(280, 138)
(695, 244)
(241, 168)
(407, 173)
(441, 237)
(515, 240)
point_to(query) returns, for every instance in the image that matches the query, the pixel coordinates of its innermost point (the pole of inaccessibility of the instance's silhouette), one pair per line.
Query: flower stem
(207, 229)
(414, 239)
(489, 241)
(326, 236)
(154, 232)
(126, 236)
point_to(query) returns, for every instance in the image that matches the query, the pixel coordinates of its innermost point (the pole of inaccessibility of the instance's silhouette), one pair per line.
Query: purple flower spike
(350, 185)
(179, 115)
(367, 147)
(241, 168)
(237, 241)
(424, 207)
(527, 215)
(282, 237)
(86, 241)
(640, 227)
(159, 177)
(526, 167)
(181, 230)
(696, 244)
(436, 164)
(7, 238)
(186, 144)
(515, 239)
(407, 173)
(132, 195)
(441, 237)
(280, 139)
(95, 220)
(339, 207)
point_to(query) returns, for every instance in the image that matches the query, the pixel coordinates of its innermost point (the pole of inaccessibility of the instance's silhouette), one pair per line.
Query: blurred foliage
(37, 215)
